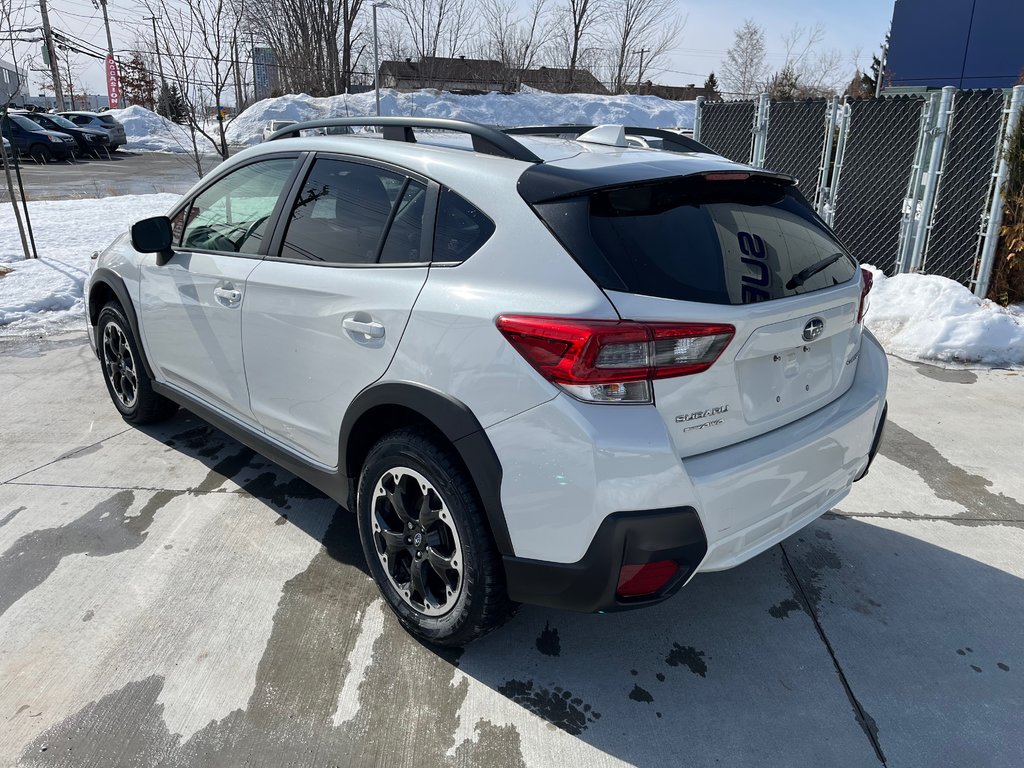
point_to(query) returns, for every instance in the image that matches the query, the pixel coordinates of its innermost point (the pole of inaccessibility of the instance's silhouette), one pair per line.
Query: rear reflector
(867, 280)
(613, 360)
(646, 579)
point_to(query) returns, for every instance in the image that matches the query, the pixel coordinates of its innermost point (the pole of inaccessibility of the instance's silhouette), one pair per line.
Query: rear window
(690, 239)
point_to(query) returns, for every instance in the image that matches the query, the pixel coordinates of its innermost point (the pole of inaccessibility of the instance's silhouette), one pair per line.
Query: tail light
(646, 579)
(613, 361)
(866, 281)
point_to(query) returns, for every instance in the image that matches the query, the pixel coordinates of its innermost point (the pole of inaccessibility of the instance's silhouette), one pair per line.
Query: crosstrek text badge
(814, 328)
(716, 411)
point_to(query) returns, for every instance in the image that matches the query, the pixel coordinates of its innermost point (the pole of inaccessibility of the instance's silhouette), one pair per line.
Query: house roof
(556, 79)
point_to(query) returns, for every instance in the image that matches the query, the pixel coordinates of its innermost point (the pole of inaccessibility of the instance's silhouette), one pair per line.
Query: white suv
(540, 370)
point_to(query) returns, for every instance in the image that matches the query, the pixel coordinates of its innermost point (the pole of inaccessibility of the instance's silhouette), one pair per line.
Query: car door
(325, 311)
(191, 306)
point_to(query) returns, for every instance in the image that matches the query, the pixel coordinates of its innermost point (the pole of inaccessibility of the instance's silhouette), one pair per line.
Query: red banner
(113, 84)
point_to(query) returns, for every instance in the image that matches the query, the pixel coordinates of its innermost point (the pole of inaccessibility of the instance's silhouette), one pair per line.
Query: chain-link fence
(726, 128)
(879, 156)
(796, 139)
(908, 183)
(958, 222)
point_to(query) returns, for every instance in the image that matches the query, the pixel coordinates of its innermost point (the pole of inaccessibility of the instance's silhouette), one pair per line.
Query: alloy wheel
(119, 364)
(416, 541)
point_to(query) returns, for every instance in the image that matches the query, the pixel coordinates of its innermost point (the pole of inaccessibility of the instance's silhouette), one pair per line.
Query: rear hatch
(728, 248)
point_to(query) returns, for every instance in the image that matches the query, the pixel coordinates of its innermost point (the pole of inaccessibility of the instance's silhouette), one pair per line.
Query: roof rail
(671, 141)
(486, 139)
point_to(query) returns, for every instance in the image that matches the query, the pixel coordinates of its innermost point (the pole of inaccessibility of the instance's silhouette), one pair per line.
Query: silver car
(103, 122)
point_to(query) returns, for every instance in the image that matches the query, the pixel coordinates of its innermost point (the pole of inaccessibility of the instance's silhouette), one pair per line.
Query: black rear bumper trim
(589, 584)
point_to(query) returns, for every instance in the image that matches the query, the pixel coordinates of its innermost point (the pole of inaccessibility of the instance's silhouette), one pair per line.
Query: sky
(855, 29)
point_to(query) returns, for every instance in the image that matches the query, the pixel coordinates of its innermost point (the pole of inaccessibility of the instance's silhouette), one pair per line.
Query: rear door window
(692, 239)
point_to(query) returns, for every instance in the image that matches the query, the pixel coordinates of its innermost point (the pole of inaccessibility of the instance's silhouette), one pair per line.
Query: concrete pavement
(169, 598)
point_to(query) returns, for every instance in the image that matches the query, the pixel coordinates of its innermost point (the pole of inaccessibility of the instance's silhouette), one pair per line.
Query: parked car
(100, 122)
(561, 372)
(275, 125)
(91, 141)
(33, 140)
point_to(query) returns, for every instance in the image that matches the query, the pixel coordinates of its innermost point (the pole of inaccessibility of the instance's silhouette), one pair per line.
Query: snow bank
(44, 295)
(149, 132)
(933, 318)
(531, 107)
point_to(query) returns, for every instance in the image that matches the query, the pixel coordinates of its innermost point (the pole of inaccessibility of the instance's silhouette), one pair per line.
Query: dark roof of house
(485, 72)
(556, 79)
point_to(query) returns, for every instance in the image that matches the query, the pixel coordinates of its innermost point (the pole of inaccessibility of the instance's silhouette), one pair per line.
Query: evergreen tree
(784, 85)
(172, 105)
(712, 91)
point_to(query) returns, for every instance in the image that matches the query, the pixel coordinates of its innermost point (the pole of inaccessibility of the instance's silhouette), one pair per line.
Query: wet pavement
(168, 597)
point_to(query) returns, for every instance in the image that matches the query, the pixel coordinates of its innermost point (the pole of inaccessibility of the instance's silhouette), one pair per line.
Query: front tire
(41, 153)
(426, 543)
(130, 389)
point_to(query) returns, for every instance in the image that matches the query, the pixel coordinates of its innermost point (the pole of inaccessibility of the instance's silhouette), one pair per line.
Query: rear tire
(130, 389)
(419, 514)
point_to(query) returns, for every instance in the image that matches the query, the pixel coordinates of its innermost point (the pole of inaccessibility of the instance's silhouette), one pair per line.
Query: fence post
(697, 113)
(821, 195)
(837, 171)
(995, 215)
(911, 207)
(931, 185)
(760, 131)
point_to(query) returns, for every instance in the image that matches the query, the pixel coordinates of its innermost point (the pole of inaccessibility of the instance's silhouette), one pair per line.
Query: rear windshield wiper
(807, 273)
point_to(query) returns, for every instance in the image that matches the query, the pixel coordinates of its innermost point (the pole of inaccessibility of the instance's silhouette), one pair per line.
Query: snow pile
(530, 107)
(149, 132)
(44, 295)
(933, 318)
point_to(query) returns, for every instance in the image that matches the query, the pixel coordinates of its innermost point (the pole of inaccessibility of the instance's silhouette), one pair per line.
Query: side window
(232, 214)
(461, 228)
(80, 119)
(343, 212)
(405, 236)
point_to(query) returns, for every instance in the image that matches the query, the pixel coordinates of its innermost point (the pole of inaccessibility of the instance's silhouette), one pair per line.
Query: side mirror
(153, 236)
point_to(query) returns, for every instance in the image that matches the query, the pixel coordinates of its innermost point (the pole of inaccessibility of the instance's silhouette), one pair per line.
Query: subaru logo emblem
(814, 328)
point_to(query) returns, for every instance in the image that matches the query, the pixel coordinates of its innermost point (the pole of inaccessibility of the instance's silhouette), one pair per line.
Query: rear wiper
(807, 273)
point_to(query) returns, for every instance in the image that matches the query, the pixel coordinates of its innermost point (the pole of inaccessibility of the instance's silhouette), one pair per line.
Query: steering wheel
(251, 230)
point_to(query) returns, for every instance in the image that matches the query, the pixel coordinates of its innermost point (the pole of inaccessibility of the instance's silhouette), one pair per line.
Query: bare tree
(513, 39)
(816, 71)
(427, 29)
(744, 68)
(198, 40)
(576, 21)
(640, 34)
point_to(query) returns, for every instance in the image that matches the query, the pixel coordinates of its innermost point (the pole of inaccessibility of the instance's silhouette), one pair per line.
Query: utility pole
(110, 48)
(51, 52)
(640, 71)
(156, 43)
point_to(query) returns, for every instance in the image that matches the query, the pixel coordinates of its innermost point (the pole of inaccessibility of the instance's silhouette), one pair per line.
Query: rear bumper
(570, 468)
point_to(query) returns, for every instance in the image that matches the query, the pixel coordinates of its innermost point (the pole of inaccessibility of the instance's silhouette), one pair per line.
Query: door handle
(372, 329)
(228, 295)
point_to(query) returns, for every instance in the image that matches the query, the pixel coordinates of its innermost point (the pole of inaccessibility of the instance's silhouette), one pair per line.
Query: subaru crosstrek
(541, 370)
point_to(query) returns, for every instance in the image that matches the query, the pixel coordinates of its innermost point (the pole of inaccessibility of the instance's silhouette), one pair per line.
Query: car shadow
(852, 643)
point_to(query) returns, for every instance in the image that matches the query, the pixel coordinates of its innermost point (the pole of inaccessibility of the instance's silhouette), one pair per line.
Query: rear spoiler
(549, 181)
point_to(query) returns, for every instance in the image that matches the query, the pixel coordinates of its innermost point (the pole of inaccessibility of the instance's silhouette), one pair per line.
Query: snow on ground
(928, 317)
(148, 132)
(530, 107)
(44, 296)
(918, 316)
